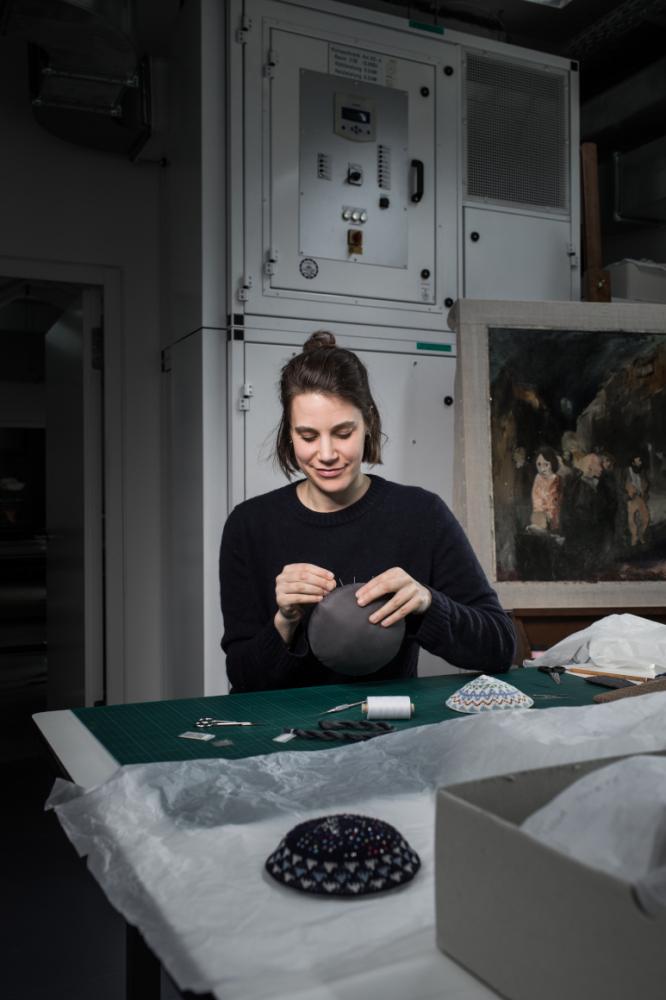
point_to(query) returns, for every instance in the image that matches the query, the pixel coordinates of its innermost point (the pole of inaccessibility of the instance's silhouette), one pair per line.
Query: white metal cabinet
(500, 258)
(520, 212)
(339, 101)
(340, 118)
(341, 147)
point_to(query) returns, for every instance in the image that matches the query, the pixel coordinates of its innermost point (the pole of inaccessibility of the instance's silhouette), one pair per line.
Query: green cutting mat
(149, 731)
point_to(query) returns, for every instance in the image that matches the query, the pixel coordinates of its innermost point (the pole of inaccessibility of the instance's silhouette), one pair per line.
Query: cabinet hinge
(244, 29)
(271, 63)
(246, 394)
(271, 261)
(244, 286)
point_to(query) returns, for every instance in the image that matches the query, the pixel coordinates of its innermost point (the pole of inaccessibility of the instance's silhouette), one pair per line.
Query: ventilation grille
(384, 167)
(517, 134)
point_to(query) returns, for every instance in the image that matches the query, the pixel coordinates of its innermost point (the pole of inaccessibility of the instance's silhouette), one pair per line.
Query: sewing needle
(341, 708)
(553, 673)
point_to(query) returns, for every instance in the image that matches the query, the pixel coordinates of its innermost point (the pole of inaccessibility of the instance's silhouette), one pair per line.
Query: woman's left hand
(409, 596)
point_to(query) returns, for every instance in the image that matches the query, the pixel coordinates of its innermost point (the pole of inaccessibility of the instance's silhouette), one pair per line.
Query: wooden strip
(650, 687)
(596, 281)
(591, 212)
(590, 672)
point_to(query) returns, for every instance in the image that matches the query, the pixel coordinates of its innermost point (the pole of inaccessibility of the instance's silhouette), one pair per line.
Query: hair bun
(318, 340)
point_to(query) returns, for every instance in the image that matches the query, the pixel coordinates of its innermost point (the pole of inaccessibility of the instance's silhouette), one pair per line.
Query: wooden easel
(596, 281)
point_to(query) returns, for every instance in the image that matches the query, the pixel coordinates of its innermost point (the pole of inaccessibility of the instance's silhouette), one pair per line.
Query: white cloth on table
(615, 644)
(179, 849)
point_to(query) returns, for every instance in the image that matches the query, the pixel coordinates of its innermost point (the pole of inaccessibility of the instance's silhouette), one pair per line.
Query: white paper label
(359, 64)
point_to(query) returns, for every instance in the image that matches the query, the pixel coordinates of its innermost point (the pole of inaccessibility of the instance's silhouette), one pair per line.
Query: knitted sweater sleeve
(465, 623)
(257, 657)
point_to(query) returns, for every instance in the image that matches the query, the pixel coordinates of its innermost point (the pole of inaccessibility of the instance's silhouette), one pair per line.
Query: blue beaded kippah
(343, 855)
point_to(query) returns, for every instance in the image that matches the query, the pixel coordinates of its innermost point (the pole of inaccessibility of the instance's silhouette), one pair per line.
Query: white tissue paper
(624, 644)
(179, 849)
(613, 819)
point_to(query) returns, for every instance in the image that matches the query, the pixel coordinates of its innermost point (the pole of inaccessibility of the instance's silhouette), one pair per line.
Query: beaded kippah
(343, 855)
(487, 694)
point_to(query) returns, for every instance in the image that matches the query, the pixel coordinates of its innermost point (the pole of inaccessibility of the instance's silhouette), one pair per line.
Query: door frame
(109, 563)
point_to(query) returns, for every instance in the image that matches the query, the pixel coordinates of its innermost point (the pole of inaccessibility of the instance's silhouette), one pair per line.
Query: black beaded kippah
(343, 855)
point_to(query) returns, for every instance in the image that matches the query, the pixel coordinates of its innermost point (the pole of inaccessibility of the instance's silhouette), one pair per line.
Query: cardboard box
(638, 280)
(529, 921)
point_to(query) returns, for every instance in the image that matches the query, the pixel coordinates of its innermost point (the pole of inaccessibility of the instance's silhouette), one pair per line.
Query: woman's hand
(409, 596)
(297, 586)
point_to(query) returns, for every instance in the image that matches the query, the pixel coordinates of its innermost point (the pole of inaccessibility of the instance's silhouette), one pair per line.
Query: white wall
(195, 308)
(74, 208)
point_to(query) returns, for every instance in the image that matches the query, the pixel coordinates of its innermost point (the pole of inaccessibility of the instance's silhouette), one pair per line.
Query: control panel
(353, 146)
(357, 218)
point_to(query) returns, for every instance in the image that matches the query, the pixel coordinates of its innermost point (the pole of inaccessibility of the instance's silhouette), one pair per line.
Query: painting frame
(472, 321)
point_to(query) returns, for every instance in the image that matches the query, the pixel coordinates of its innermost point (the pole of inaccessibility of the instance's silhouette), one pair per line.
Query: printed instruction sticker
(359, 64)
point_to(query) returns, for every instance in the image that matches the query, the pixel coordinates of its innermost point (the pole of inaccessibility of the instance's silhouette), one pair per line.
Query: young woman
(546, 492)
(284, 551)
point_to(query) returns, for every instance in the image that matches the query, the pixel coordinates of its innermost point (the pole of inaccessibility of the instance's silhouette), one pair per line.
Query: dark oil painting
(578, 425)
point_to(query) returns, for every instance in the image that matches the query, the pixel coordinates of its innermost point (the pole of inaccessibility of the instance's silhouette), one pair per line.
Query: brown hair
(550, 456)
(334, 371)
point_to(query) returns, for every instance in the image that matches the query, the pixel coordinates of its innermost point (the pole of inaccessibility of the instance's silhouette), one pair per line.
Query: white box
(638, 280)
(529, 921)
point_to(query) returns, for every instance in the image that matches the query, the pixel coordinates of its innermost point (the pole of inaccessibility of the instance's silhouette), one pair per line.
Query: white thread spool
(388, 707)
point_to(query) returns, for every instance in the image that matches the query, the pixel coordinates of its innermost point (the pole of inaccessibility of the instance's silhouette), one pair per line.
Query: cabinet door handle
(417, 168)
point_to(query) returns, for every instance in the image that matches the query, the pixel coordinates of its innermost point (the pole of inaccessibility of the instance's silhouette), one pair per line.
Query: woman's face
(544, 468)
(328, 437)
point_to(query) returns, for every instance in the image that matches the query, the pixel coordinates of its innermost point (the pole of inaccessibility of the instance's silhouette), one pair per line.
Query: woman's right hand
(298, 585)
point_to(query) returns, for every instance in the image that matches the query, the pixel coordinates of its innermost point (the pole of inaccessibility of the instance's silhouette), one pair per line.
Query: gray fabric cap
(342, 638)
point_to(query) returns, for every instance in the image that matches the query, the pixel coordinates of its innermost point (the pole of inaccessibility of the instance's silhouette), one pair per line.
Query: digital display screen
(355, 115)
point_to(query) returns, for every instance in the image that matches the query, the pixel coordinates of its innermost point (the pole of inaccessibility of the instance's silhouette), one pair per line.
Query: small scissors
(553, 672)
(341, 708)
(208, 723)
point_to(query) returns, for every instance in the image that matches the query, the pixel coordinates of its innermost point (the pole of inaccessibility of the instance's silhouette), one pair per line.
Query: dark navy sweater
(391, 525)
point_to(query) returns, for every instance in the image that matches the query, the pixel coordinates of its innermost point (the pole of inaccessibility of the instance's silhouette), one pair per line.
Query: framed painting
(560, 465)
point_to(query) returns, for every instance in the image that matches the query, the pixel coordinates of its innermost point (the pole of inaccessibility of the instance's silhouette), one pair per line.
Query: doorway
(51, 503)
